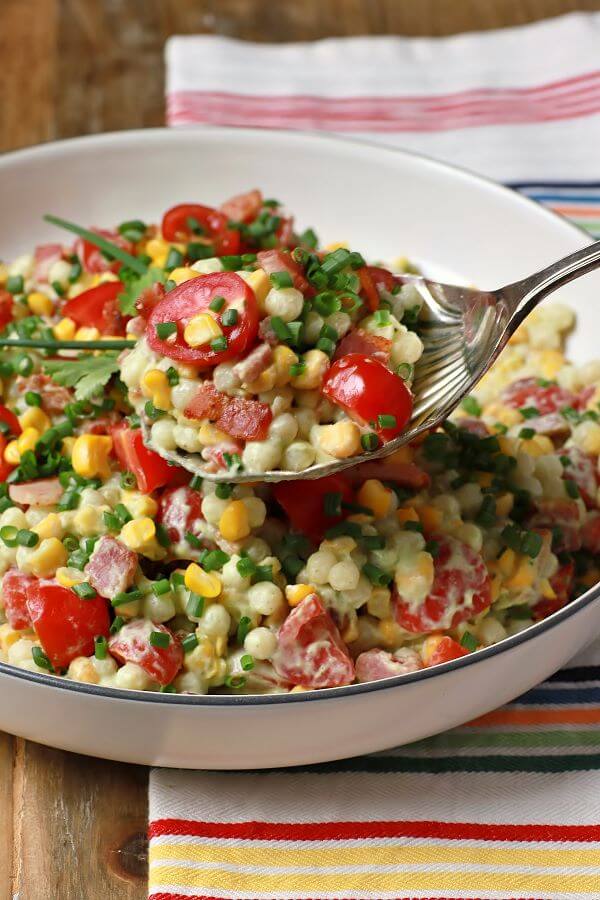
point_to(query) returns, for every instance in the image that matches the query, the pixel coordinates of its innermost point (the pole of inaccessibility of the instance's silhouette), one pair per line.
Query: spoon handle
(522, 296)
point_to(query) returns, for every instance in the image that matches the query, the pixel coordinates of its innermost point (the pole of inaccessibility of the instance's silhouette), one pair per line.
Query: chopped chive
(531, 544)
(224, 491)
(165, 330)
(219, 344)
(8, 535)
(246, 567)
(41, 660)
(195, 606)
(161, 587)
(405, 371)
(373, 541)
(172, 376)
(174, 259)
(110, 520)
(110, 249)
(189, 643)
(298, 368)
(33, 399)
(162, 535)
(160, 639)
(471, 406)
(235, 681)
(332, 504)
(325, 345)
(280, 328)
(281, 280)
(152, 411)
(127, 481)
(26, 538)
(217, 304)
(469, 641)
(369, 441)
(100, 647)
(263, 573)
(215, 559)
(15, 284)
(229, 317)
(376, 575)
(381, 317)
(243, 628)
(197, 251)
(386, 421)
(125, 597)
(571, 489)
(85, 591)
(411, 525)
(529, 412)
(433, 548)
(177, 579)
(192, 540)
(122, 513)
(70, 542)
(247, 662)
(527, 433)
(168, 689)
(117, 624)
(342, 529)
(292, 565)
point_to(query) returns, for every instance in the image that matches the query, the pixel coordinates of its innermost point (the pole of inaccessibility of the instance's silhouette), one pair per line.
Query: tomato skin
(65, 624)
(91, 257)
(278, 261)
(14, 596)
(364, 342)
(179, 509)
(6, 308)
(150, 469)
(8, 416)
(98, 308)
(310, 649)
(365, 388)
(193, 297)
(304, 503)
(174, 227)
(132, 644)
(447, 650)
(243, 207)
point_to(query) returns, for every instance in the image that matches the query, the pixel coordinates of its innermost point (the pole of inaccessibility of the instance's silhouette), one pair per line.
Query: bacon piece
(41, 492)
(582, 470)
(14, 598)
(278, 261)
(112, 566)
(361, 341)
(562, 518)
(266, 333)
(372, 665)
(180, 510)
(54, 397)
(44, 257)
(246, 420)
(407, 475)
(546, 398)
(249, 369)
(243, 207)
(551, 424)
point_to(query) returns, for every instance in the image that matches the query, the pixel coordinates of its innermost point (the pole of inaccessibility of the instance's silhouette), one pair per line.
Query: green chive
(195, 606)
(15, 284)
(196, 483)
(172, 376)
(229, 318)
(369, 441)
(85, 590)
(125, 597)
(219, 344)
(405, 371)
(189, 643)
(529, 412)
(224, 491)
(247, 662)
(217, 304)
(332, 504)
(177, 579)
(386, 421)
(527, 433)
(117, 624)
(471, 406)
(160, 639)
(26, 538)
(410, 525)
(376, 575)
(215, 559)
(161, 587)
(235, 681)
(174, 259)
(245, 567)
(244, 626)
(297, 368)
(122, 513)
(373, 541)
(325, 345)
(111, 250)
(24, 363)
(165, 330)
(32, 398)
(281, 280)
(100, 647)
(168, 689)
(280, 328)
(192, 540)
(381, 317)
(40, 659)
(531, 544)
(571, 489)
(111, 521)
(263, 573)
(127, 481)
(162, 535)
(197, 251)
(152, 411)
(8, 534)
(469, 641)
(292, 565)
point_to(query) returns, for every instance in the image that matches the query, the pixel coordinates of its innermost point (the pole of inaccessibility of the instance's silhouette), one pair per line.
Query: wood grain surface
(72, 828)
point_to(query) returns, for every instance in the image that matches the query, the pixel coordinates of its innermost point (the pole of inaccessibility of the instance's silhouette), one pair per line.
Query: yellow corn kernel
(407, 514)
(65, 329)
(34, 417)
(261, 285)
(350, 632)
(139, 504)
(340, 440)
(265, 382)
(540, 445)
(378, 604)
(89, 519)
(316, 364)
(234, 523)
(90, 455)
(506, 415)
(295, 593)
(298, 689)
(27, 440)
(3, 272)
(209, 435)
(207, 584)
(507, 562)
(183, 273)
(547, 590)
(283, 358)
(48, 556)
(336, 245)
(50, 526)
(520, 336)
(523, 577)
(507, 445)
(158, 250)
(8, 636)
(67, 577)
(11, 454)
(40, 304)
(138, 533)
(201, 329)
(550, 363)
(496, 587)
(390, 632)
(155, 384)
(430, 517)
(430, 645)
(87, 334)
(82, 669)
(402, 455)
(66, 447)
(484, 479)
(504, 504)
(376, 497)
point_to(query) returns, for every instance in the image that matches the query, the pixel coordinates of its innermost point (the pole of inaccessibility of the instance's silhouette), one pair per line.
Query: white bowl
(385, 203)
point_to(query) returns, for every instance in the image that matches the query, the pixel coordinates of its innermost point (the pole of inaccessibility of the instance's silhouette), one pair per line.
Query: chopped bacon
(584, 396)
(42, 492)
(249, 369)
(14, 598)
(278, 261)
(546, 398)
(247, 420)
(550, 424)
(407, 475)
(563, 519)
(361, 341)
(266, 333)
(243, 207)
(44, 257)
(136, 326)
(581, 469)
(112, 567)
(372, 665)
(180, 510)
(54, 397)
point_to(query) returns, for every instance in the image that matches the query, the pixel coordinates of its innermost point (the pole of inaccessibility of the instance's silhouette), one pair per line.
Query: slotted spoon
(463, 332)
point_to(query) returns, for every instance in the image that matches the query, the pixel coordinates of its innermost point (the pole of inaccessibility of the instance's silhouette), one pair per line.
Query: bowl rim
(351, 690)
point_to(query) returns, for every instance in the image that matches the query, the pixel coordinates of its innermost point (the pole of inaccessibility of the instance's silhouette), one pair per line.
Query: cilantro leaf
(134, 285)
(87, 375)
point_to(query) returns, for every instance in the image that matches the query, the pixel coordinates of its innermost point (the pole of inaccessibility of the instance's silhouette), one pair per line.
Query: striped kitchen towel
(508, 806)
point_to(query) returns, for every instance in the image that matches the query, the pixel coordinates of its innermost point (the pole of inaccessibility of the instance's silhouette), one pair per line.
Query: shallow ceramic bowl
(385, 203)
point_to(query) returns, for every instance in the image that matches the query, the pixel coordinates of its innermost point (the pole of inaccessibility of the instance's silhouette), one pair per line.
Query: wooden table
(72, 828)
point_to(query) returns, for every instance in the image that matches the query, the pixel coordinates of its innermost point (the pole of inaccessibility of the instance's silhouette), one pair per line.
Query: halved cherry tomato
(461, 589)
(91, 256)
(366, 343)
(180, 510)
(98, 308)
(279, 261)
(194, 297)
(304, 503)
(445, 651)
(150, 469)
(243, 419)
(132, 644)
(14, 597)
(366, 389)
(243, 207)
(65, 624)
(8, 416)
(175, 227)
(310, 649)
(6, 308)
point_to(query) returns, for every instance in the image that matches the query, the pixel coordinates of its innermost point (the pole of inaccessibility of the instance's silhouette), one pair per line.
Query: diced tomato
(366, 389)
(175, 227)
(149, 298)
(8, 416)
(310, 649)
(529, 392)
(461, 590)
(591, 533)
(112, 567)
(180, 510)
(563, 519)
(65, 624)
(194, 297)
(91, 256)
(446, 650)
(243, 207)
(246, 420)
(562, 583)
(372, 665)
(279, 261)
(44, 257)
(6, 308)
(364, 342)
(151, 470)
(14, 597)
(132, 644)
(98, 308)
(581, 469)
(304, 503)
(41, 492)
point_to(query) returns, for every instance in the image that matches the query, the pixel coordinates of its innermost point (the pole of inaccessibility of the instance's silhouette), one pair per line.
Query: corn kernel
(8, 636)
(90, 455)
(87, 334)
(50, 526)
(11, 454)
(27, 440)
(484, 479)
(183, 273)
(34, 417)
(506, 563)
(40, 304)
(295, 593)
(3, 273)
(523, 577)
(209, 435)
(316, 364)
(551, 362)
(430, 645)
(390, 632)
(138, 533)
(64, 330)
(496, 587)
(506, 415)
(350, 632)
(158, 250)
(234, 523)
(206, 584)
(547, 590)
(48, 556)
(139, 504)
(67, 577)
(336, 245)
(407, 514)
(201, 330)
(283, 358)
(340, 440)
(379, 603)
(155, 384)
(376, 497)
(82, 669)
(89, 519)
(430, 517)
(504, 504)
(261, 285)
(540, 445)
(265, 382)
(67, 444)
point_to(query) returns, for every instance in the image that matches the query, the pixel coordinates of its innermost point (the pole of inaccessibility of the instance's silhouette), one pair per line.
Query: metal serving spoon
(463, 332)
